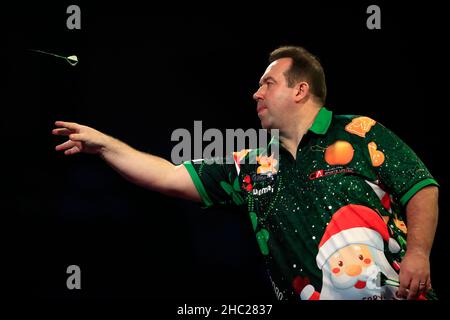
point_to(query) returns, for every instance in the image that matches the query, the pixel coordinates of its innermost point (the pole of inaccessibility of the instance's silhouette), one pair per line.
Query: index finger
(68, 125)
(403, 289)
(413, 290)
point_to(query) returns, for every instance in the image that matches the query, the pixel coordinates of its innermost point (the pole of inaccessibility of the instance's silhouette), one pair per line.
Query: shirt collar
(320, 125)
(322, 121)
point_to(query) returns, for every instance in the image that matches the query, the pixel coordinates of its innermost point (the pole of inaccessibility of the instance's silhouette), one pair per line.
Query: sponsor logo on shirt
(258, 192)
(259, 177)
(328, 172)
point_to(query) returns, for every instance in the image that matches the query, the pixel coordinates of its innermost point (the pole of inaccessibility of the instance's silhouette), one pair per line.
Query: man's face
(275, 99)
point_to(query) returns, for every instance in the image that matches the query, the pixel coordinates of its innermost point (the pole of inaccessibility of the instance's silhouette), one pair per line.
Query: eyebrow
(264, 80)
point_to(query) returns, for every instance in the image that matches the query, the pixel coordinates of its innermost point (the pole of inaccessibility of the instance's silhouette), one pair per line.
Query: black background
(144, 72)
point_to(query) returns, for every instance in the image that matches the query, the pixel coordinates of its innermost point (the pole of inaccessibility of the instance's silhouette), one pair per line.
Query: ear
(302, 90)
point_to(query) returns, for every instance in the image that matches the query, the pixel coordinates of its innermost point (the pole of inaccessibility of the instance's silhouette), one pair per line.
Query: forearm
(137, 167)
(140, 168)
(422, 217)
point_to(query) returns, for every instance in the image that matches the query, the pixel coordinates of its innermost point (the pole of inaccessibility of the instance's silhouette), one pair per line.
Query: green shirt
(330, 223)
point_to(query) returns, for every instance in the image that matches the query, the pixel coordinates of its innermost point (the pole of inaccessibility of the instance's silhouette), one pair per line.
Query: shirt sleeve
(398, 167)
(217, 183)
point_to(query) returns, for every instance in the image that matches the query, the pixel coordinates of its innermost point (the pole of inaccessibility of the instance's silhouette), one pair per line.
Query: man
(327, 210)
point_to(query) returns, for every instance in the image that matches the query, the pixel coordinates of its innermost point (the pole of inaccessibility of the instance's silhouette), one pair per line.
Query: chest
(318, 181)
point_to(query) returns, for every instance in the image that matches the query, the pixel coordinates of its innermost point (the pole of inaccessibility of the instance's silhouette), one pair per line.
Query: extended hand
(81, 138)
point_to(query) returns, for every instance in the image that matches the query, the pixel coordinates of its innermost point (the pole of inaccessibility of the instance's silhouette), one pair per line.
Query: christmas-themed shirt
(330, 223)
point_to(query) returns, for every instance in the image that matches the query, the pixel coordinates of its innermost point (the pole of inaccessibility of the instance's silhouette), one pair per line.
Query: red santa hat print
(354, 224)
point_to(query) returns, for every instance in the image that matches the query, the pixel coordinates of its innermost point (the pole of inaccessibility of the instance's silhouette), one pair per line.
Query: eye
(340, 263)
(361, 257)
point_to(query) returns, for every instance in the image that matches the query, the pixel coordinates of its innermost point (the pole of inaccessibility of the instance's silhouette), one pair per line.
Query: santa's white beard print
(350, 287)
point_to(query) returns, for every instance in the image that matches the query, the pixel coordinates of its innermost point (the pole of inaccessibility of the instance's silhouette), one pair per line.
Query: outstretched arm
(422, 216)
(137, 167)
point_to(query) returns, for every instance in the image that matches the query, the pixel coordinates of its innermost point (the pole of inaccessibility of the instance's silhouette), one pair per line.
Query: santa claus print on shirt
(351, 257)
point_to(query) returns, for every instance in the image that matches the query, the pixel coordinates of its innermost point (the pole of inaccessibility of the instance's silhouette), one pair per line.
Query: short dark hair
(305, 67)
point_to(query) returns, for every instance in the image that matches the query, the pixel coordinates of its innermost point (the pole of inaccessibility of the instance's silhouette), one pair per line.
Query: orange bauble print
(376, 156)
(340, 152)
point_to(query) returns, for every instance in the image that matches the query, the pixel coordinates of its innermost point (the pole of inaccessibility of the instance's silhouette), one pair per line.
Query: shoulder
(358, 125)
(345, 119)
(360, 129)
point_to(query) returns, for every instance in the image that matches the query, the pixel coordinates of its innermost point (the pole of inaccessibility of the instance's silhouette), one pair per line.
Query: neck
(291, 136)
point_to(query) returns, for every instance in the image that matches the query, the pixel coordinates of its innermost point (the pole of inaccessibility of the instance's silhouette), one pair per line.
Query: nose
(353, 270)
(258, 94)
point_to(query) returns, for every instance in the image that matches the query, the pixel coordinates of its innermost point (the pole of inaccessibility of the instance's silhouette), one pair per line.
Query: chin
(266, 125)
